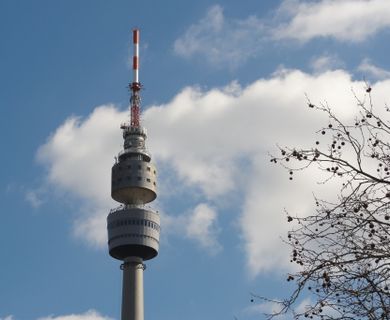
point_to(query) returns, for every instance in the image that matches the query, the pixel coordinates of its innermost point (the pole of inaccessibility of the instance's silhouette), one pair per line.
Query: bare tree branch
(343, 248)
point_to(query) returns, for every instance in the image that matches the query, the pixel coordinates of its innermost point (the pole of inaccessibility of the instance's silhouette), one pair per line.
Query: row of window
(139, 168)
(135, 156)
(132, 235)
(134, 222)
(130, 178)
(123, 207)
(140, 143)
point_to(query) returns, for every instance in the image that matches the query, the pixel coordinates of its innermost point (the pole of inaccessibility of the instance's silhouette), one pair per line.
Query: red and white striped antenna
(135, 86)
(135, 55)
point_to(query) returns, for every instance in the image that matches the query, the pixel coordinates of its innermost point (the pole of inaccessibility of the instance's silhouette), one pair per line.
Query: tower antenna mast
(135, 86)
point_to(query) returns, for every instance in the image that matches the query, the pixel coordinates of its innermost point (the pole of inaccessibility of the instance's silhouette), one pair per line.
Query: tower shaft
(133, 289)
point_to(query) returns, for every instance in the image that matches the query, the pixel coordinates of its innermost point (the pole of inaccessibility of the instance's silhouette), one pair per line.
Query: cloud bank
(342, 20)
(213, 144)
(372, 71)
(227, 41)
(220, 40)
(89, 315)
(202, 227)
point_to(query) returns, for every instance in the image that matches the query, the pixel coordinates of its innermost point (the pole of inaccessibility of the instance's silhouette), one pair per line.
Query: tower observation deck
(133, 228)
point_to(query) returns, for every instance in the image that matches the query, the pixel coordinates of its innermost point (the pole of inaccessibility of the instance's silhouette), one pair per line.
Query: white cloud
(89, 315)
(202, 227)
(371, 70)
(325, 62)
(91, 225)
(198, 224)
(78, 157)
(220, 40)
(82, 146)
(211, 146)
(199, 131)
(344, 20)
(226, 41)
(33, 198)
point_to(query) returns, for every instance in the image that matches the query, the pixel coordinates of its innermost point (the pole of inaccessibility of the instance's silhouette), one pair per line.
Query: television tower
(133, 229)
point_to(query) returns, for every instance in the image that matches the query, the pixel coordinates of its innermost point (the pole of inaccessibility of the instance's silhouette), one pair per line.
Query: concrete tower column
(133, 289)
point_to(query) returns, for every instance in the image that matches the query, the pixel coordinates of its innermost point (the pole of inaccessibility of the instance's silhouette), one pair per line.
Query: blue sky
(224, 82)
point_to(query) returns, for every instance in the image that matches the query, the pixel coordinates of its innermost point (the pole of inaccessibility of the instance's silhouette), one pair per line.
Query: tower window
(148, 180)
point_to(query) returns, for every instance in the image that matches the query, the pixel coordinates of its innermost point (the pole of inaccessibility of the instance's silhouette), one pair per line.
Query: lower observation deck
(133, 231)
